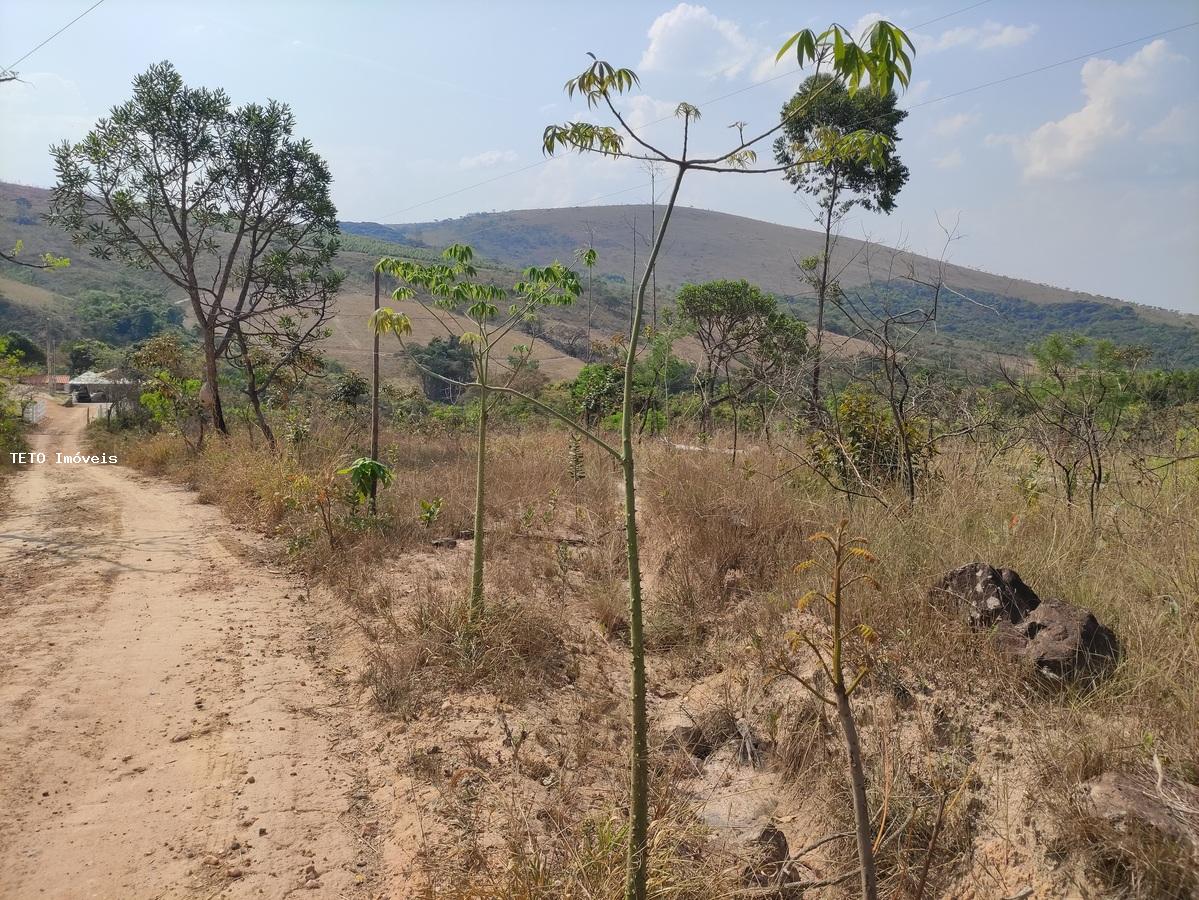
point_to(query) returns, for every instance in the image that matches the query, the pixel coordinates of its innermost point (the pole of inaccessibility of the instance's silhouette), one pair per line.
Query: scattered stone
(690, 739)
(990, 595)
(1067, 641)
(1159, 803)
(771, 853)
(234, 873)
(312, 884)
(1061, 640)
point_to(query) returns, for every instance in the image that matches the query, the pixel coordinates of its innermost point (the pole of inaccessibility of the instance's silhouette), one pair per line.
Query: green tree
(727, 318)
(12, 426)
(25, 349)
(87, 355)
(879, 61)
(1075, 404)
(126, 316)
(470, 311)
(443, 364)
(224, 202)
(350, 388)
(596, 390)
(822, 114)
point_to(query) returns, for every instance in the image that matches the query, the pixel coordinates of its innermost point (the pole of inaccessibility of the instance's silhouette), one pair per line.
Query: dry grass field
(510, 749)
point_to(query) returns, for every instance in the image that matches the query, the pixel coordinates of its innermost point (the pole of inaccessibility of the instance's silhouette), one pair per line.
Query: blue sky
(1085, 175)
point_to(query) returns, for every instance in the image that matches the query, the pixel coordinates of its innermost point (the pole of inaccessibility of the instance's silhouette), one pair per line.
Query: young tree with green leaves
(733, 322)
(224, 202)
(469, 310)
(834, 654)
(881, 59)
(1075, 404)
(587, 256)
(821, 114)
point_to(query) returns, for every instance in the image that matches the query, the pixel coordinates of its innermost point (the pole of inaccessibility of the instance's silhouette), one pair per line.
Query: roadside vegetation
(691, 624)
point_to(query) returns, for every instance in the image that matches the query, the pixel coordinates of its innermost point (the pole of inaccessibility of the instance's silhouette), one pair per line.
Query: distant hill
(32, 301)
(1002, 315)
(996, 313)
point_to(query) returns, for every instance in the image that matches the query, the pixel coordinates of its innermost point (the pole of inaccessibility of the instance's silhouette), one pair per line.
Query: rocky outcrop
(1060, 640)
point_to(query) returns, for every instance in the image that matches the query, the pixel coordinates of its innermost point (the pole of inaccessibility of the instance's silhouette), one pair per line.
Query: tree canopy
(223, 201)
(820, 114)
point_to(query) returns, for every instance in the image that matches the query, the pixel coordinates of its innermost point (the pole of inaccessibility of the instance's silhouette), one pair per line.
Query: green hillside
(997, 313)
(982, 313)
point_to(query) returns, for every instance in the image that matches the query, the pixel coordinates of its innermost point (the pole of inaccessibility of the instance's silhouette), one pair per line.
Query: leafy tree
(879, 61)
(172, 395)
(441, 363)
(25, 349)
(12, 437)
(224, 202)
(587, 256)
(727, 318)
(88, 355)
(350, 388)
(126, 316)
(822, 114)
(596, 390)
(470, 311)
(1075, 404)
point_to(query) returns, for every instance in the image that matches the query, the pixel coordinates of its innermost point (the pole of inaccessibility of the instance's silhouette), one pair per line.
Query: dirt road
(169, 724)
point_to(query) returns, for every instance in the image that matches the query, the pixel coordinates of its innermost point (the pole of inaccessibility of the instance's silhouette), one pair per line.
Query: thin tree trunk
(252, 392)
(638, 859)
(210, 376)
(476, 578)
(590, 301)
(861, 811)
(375, 406)
(822, 295)
(857, 776)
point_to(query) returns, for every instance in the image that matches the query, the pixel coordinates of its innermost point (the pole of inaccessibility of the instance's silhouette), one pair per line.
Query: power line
(922, 103)
(11, 66)
(1054, 65)
(706, 103)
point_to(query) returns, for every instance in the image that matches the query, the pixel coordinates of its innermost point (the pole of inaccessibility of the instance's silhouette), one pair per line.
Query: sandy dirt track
(170, 724)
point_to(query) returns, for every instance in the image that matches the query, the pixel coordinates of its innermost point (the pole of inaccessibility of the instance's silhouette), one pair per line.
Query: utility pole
(49, 359)
(375, 402)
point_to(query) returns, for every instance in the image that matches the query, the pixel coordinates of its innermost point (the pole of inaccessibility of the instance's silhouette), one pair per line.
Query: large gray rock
(989, 595)
(1067, 641)
(1059, 639)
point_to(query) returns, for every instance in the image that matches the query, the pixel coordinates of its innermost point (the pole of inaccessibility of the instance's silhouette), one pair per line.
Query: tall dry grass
(721, 540)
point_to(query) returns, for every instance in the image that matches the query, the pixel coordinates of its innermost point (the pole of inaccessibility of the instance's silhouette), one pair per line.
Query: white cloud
(951, 160)
(488, 159)
(916, 92)
(988, 36)
(691, 39)
(1112, 91)
(864, 22)
(951, 125)
(1179, 126)
(641, 110)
